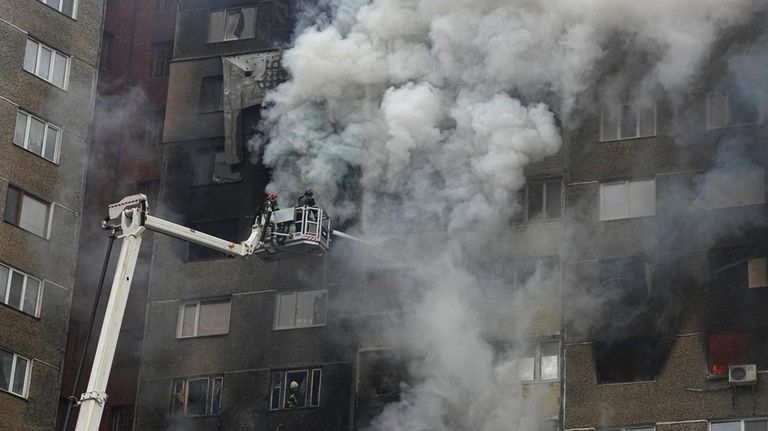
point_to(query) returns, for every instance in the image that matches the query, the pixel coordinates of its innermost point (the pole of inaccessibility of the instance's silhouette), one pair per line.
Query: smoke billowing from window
(421, 115)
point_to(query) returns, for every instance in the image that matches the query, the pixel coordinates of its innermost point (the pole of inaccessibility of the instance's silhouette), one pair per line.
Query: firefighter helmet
(294, 385)
(271, 196)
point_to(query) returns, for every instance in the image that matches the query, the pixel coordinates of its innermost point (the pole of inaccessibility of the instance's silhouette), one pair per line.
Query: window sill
(639, 382)
(3, 391)
(45, 238)
(300, 327)
(36, 155)
(31, 316)
(293, 409)
(188, 337)
(211, 42)
(64, 89)
(633, 138)
(734, 126)
(628, 218)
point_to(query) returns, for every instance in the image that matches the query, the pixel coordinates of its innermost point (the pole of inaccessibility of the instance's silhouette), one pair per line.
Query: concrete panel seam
(692, 421)
(579, 183)
(14, 26)
(47, 282)
(45, 363)
(256, 292)
(74, 212)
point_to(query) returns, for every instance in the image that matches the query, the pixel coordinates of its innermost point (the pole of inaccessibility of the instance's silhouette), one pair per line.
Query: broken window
(731, 107)
(627, 121)
(301, 309)
(201, 318)
(628, 360)
(738, 268)
(199, 396)
(14, 373)
(232, 24)
(734, 188)
(740, 425)
(725, 349)
(540, 200)
(627, 199)
(540, 362)
(212, 94)
(294, 389)
(162, 53)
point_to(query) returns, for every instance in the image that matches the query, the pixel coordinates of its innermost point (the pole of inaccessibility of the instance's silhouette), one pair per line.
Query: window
(541, 200)
(19, 290)
(122, 418)
(14, 373)
(199, 396)
(162, 52)
(301, 309)
(201, 318)
(645, 428)
(540, 363)
(46, 63)
(629, 360)
(232, 24)
(742, 425)
(724, 189)
(738, 268)
(67, 7)
(212, 94)
(732, 108)
(37, 136)
(295, 389)
(726, 349)
(627, 121)
(27, 212)
(627, 199)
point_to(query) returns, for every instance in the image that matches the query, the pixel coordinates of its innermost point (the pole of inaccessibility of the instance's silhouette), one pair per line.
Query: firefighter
(292, 400)
(307, 199)
(271, 203)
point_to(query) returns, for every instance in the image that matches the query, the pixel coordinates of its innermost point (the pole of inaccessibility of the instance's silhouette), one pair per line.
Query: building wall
(42, 339)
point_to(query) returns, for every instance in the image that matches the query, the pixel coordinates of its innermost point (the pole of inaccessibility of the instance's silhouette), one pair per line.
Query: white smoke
(424, 113)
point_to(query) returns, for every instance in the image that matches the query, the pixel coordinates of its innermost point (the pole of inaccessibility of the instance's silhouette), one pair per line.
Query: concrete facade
(38, 334)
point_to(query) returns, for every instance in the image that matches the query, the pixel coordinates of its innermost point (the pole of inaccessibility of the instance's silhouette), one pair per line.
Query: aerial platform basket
(297, 230)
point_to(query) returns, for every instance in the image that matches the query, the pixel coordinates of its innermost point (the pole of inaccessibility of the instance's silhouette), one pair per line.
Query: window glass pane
(316, 387)
(642, 198)
(647, 120)
(730, 189)
(189, 312)
(726, 426)
(214, 318)
(12, 205)
(276, 385)
(535, 200)
(17, 284)
(68, 7)
(36, 132)
(609, 124)
(21, 129)
(50, 144)
(34, 215)
(553, 199)
(525, 368)
(218, 384)
(178, 397)
(19, 378)
(309, 305)
(59, 70)
(197, 397)
(249, 20)
(295, 389)
(54, 4)
(628, 122)
(613, 201)
(30, 296)
(216, 26)
(6, 360)
(30, 56)
(44, 65)
(758, 425)
(235, 24)
(286, 310)
(4, 272)
(549, 355)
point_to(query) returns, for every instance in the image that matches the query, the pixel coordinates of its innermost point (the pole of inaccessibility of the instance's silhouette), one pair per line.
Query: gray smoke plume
(422, 115)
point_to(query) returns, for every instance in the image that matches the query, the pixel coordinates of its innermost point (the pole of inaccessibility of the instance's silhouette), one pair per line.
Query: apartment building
(48, 69)
(136, 48)
(665, 265)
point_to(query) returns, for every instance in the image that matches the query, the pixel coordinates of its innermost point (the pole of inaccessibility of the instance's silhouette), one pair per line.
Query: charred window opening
(210, 167)
(738, 268)
(630, 360)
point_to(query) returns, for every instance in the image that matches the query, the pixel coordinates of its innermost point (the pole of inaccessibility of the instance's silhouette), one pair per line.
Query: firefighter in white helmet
(291, 400)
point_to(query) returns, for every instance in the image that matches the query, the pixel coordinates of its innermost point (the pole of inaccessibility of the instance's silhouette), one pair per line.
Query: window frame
(710, 176)
(209, 398)
(526, 197)
(196, 327)
(211, 12)
(742, 422)
(27, 374)
(627, 200)
(276, 317)
(47, 125)
(308, 395)
(61, 7)
(728, 111)
(19, 204)
(637, 123)
(630, 428)
(38, 301)
(536, 346)
(51, 67)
